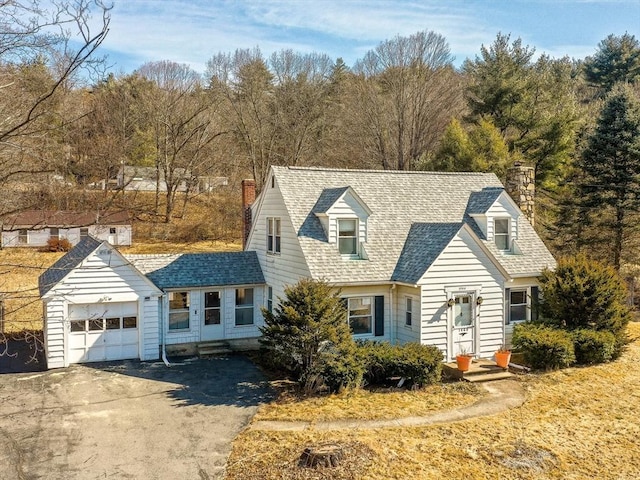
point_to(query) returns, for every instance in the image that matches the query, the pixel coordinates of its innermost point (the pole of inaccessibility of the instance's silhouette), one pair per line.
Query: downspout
(392, 306)
(163, 331)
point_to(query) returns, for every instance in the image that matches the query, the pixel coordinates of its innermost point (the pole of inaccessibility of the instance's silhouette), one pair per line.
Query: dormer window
(501, 233)
(348, 236)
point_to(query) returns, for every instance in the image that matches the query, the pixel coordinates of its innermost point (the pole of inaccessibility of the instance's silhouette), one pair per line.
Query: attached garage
(102, 332)
(98, 307)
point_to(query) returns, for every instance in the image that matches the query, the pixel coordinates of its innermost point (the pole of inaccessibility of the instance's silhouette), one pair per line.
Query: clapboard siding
(39, 238)
(405, 334)
(287, 267)
(462, 265)
(104, 277)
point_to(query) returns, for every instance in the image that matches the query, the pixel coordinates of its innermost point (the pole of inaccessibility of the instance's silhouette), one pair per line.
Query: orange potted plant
(463, 360)
(503, 357)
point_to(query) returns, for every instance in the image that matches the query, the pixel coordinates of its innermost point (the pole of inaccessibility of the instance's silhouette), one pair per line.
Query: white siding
(463, 265)
(102, 277)
(287, 267)
(39, 238)
(373, 291)
(227, 315)
(347, 207)
(502, 208)
(405, 334)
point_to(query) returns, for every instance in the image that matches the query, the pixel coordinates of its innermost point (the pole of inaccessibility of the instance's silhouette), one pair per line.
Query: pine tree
(610, 188)
(617, 60)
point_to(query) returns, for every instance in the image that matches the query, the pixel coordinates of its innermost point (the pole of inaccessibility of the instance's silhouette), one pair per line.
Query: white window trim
(236, 307)
(527, 304)
(508, 234)
(170, 310)
(408, 299)
(355, 254)
(274, 235)
(371, 315)
(25, 236)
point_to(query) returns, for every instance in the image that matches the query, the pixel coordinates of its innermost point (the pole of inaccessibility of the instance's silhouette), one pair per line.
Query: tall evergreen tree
(617, 60)
(610, 188)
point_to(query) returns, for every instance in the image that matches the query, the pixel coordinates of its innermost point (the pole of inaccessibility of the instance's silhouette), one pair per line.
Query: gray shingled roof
(192, 270)
(397, 200)
(56, 272)
(424, 243)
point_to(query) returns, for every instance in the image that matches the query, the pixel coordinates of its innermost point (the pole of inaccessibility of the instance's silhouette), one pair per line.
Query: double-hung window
(178, 310)
(23, 236)
(361, 315)
(348, 236)
(501, 233)
(244, 306)
(273, 235)
(408, 315)
(54, 233)
(522, 304)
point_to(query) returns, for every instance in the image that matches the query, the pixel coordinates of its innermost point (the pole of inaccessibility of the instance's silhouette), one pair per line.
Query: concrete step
(488, 377)
(214, 348)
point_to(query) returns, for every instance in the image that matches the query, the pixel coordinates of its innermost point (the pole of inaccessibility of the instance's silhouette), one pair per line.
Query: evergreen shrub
(420, 364)
(544, 347)
(593, 346)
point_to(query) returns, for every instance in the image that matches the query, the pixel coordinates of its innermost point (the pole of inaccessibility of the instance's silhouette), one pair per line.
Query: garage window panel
(78, 325)
(130, 322)
(96, 325)
(113, 323)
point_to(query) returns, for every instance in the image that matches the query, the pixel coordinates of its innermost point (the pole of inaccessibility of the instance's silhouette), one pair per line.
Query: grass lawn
(578, 423)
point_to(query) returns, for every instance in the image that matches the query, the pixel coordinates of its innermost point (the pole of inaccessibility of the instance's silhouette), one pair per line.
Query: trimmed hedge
(544, 347)
(592, 346)
(421, 364)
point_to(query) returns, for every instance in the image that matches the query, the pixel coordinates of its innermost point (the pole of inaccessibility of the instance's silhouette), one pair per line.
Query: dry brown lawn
(578, 423)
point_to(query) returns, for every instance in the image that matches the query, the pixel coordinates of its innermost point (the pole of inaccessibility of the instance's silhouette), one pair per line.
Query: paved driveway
(126, 420)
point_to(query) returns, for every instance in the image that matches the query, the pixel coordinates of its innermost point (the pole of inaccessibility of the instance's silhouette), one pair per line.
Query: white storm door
(463, 324)
(212, 324)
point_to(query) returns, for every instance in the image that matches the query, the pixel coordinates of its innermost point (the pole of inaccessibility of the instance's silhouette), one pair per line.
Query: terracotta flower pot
(503, 358)
(463, 362)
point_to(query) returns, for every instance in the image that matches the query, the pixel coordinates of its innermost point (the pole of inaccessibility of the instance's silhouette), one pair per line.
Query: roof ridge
(395, 172)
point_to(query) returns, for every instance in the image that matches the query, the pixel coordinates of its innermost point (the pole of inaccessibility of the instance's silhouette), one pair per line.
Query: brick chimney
(248, 197)
(520, 185)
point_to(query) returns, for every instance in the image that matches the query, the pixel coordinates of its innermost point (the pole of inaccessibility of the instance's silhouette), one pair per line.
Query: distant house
(444, 259)
(145, 179)
(34, 228)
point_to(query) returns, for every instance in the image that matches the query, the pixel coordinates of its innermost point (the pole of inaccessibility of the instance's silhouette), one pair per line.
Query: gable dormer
(497, 216)
(344, 217)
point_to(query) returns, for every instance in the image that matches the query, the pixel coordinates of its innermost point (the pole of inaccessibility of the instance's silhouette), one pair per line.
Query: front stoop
(214, 349)
(482, 370)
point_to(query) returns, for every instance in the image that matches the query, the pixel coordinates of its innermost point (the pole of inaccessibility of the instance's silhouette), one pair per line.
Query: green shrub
(337, 371)
(420, 364)
(307, 325)
(582, 293)
(544, 347)
(592, 346)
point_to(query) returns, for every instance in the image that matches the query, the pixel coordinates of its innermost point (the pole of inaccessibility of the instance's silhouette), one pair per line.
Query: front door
(463, 324)
(212, 325)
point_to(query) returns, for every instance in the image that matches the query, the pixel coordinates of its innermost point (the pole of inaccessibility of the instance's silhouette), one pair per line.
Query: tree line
(404, 105)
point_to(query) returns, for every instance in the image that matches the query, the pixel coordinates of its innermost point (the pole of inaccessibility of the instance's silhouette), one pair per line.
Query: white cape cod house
(446, 259)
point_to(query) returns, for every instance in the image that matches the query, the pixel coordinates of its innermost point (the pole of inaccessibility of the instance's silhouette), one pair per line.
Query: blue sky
(192, 31)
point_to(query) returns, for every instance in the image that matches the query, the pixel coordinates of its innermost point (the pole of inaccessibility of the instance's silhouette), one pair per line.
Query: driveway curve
(127, 420)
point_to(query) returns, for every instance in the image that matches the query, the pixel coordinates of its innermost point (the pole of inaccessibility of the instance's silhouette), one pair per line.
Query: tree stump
(325, 455)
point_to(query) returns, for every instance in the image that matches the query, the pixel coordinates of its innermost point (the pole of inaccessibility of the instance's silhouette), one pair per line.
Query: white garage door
(105, 331)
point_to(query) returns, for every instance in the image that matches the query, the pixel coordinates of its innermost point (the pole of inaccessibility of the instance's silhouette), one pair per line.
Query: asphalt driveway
(126, 420)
